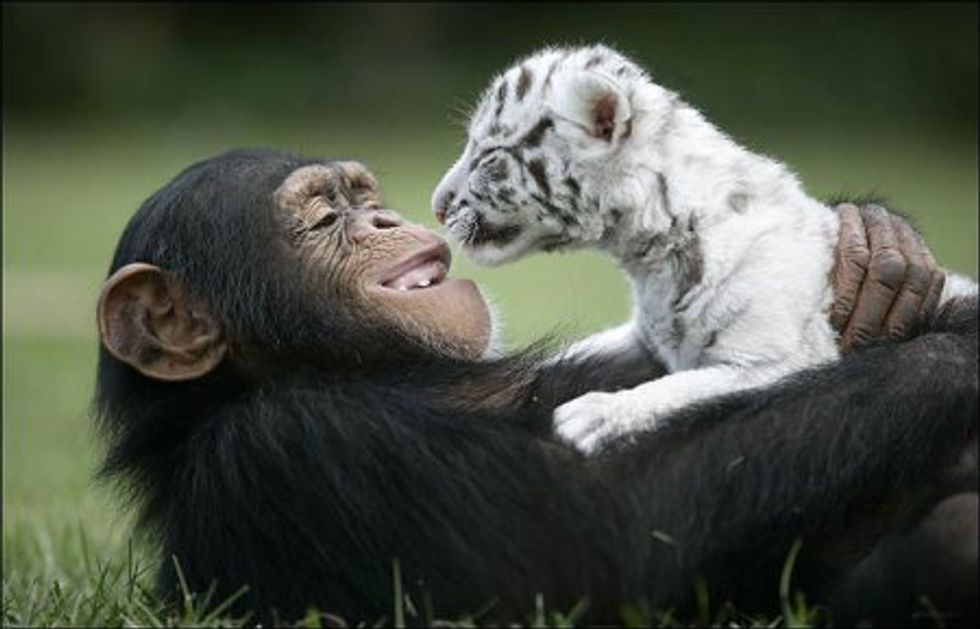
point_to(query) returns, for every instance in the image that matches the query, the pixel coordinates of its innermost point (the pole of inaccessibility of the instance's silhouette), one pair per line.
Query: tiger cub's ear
(593, 102)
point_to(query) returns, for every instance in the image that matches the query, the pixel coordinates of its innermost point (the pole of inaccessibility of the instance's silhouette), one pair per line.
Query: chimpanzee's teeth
(424, 275)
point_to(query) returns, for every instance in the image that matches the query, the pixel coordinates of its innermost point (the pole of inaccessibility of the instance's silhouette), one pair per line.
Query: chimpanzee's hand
(886, 280)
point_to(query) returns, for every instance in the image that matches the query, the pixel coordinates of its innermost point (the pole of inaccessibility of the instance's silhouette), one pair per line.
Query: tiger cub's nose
(441, 205)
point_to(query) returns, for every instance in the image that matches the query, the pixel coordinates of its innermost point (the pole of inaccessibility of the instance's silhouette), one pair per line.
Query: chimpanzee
(301, 400)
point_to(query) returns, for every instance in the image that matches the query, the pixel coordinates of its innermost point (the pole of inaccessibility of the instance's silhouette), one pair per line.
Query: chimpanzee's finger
(937, 280)
(936, 285)
(850, 264)
(886, 274)
(905, 313)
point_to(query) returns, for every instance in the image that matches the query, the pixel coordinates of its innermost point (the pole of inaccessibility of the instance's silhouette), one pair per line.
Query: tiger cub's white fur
(728, 258)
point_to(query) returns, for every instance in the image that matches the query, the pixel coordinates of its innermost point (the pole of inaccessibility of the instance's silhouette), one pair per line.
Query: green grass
(74, 582)
(67, 193)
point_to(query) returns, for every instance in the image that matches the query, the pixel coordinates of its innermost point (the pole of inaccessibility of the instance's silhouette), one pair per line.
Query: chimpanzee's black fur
(307, 479)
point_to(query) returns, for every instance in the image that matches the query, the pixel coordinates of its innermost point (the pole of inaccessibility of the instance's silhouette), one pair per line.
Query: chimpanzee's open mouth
(424, 269)
(484, 232)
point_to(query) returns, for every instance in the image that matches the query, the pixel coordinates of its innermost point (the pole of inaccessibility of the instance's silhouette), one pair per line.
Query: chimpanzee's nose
(441, 206)
(361, 223)
(382, 219)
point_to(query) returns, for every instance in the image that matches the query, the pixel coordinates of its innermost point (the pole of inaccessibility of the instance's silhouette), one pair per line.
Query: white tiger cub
(728, 258)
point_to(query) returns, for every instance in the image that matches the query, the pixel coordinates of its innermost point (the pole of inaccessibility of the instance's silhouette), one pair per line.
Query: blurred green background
(102, 104)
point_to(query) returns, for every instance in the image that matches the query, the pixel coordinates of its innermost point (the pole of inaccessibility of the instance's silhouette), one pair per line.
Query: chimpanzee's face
(379, 267)
(269, 261)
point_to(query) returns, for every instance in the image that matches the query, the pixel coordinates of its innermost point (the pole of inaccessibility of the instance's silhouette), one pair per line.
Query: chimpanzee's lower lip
(427, 266)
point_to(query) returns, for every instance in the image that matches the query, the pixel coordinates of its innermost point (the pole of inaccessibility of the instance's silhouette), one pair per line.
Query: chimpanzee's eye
(326, 221)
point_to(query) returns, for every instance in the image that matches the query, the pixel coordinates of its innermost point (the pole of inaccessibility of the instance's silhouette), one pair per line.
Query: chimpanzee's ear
(594, 102)
(149, 322)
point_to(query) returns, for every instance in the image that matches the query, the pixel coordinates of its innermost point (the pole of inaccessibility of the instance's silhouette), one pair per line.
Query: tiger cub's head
(549, 152)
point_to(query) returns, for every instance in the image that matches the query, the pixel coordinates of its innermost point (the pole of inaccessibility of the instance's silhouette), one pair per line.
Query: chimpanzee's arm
(835, 456)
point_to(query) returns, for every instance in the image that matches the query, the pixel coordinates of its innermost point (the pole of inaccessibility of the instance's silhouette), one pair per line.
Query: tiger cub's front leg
(589, 420)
